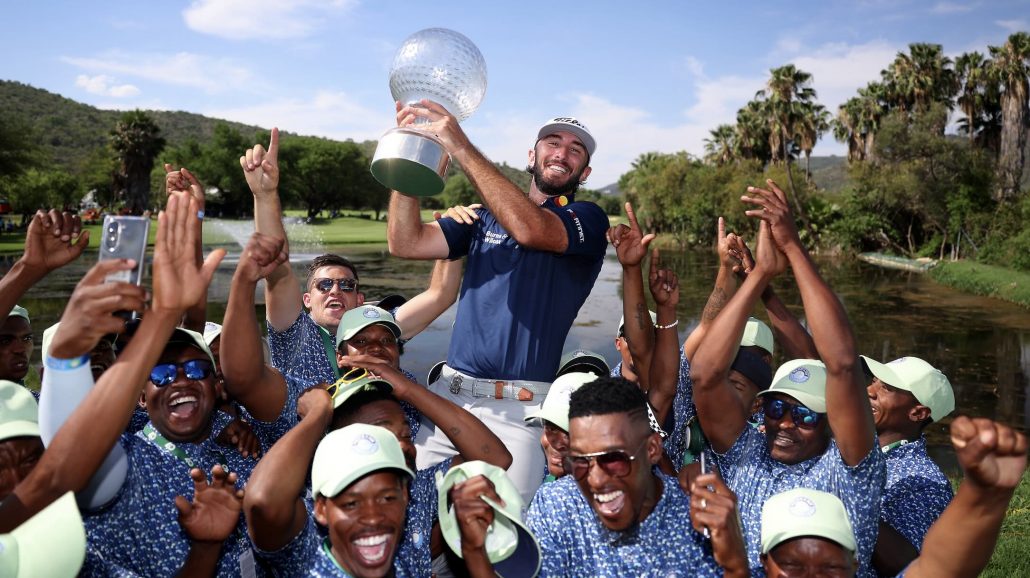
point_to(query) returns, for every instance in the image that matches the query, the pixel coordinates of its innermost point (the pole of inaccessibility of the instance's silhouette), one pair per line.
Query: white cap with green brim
(212, 331)
(19, 413)
(350, 453)
(19, 311)
(757, 334)
(925, 382)
(803, 512)
(802, 379)
(510, 546)
(555, 408)
(361, 317)
(52, 543)
(190, 337)
(583, 361)
(622, 322)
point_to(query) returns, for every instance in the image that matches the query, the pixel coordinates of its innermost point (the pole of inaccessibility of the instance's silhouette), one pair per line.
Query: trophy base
(410, 162)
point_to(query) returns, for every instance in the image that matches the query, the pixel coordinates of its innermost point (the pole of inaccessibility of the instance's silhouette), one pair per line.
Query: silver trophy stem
(410, 162)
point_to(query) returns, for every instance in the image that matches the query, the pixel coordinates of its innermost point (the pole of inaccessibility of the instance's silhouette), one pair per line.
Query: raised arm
(722, 417)
(421, 310)
(961, 541)
(665, 363)
(53, 240)
(182, 183)
(258, 387)
(274, 503)
(725, 287)
(472, 439)
(847, 404)
(530, 225)
(631, 247)
(283, 298)
(83, 441)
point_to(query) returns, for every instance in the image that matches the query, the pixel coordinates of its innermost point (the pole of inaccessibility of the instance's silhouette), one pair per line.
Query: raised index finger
(632, 217)
(273, 145)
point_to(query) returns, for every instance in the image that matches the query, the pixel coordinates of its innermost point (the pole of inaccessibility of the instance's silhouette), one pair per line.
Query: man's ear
(361, 298)
(654, 448)
(142, 401)
(306, 298)
(532, 157)
(586, 173)
(919, 413)
(320, 515)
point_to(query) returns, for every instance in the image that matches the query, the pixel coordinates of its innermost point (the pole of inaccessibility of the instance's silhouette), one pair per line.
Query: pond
(982, 345)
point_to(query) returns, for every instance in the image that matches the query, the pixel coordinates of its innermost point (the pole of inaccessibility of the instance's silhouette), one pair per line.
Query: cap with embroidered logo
(583, 361)
(569, 124)
(802, 379)
(348, 454)
(757, 334)
(555, 408)
(803, 512)
(356, 319)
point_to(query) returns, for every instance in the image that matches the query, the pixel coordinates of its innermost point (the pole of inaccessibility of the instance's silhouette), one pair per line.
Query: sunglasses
(802, 416)
(615, 463)
(195, 369)
(345, 380)
(347, 285)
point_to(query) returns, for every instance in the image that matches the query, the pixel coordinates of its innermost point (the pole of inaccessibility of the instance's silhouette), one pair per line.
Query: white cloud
(953, 7)
(1013, 25)
(181, 69)
(329, 114)
(261, 19)
(103, 85)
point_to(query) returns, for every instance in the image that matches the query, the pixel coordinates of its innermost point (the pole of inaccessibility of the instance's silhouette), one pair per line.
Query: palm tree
(1010, 67)
(752, 133)
(846, 129)
(719, 149)
(871, 108)
(137, 141)
(971, 70)
(920, 78)
(812, 123)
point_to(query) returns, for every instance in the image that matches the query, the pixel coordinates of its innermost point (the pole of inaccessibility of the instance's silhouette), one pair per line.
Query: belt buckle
(455, 386)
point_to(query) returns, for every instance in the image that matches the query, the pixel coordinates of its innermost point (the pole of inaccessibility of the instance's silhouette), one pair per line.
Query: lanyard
(329, 554)
(330, 350)
(149, 433)
(891, 446)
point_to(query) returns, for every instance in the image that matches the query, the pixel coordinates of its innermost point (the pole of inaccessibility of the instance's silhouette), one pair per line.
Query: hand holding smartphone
(125, 237)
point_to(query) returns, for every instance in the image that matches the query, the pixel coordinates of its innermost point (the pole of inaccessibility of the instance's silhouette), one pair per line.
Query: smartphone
(125, 237)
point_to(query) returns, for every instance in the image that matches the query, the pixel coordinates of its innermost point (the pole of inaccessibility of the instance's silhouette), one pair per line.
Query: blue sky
(644, 76)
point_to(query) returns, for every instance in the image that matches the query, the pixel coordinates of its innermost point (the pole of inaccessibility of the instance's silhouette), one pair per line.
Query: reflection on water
(983, 345)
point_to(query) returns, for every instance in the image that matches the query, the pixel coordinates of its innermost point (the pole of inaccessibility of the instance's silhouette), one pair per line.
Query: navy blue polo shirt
(517, 304)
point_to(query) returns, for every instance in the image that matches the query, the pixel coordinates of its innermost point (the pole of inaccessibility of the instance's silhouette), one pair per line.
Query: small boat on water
(921, 265)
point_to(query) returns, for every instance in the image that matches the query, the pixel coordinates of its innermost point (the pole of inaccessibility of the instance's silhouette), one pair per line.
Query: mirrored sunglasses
(195, 369)
(802, 416)
(325, 285)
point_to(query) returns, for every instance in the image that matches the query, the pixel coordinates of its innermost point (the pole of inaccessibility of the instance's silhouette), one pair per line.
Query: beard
(569, 188)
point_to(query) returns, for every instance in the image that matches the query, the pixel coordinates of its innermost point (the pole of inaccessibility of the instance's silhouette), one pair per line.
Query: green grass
(1010, 555)
(986, 280)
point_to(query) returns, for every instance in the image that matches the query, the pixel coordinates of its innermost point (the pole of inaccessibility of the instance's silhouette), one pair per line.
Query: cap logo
(569, 120)
(364, 444)
(898, 360)
(801, 507)
(371, 314)
(578, 354)
(799, 375)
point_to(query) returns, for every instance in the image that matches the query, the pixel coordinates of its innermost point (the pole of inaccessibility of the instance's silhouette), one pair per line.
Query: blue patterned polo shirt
(755, 476)
(573, 541)
(683, 411)
(917, 491)
(139, 530)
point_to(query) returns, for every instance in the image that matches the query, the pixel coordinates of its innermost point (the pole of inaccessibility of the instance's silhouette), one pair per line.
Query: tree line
(911, 188)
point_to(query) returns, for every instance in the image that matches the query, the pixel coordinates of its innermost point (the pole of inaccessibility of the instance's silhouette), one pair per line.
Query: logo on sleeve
(579, 226)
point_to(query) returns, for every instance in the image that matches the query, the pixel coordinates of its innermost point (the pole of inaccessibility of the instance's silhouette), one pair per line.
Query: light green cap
(622, 321)
(19, 413)
(52, 543)
(361, 317)
(190, 337)
(19, 311)
(757, 334)
(510, 546)
(924, 381)
(345, 387)
(802, 379)
(555, 408)
(583, 361)
(803, 512)
(348, 454)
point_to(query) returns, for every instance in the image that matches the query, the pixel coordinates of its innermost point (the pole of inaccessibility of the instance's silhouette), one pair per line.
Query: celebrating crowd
(161, 444)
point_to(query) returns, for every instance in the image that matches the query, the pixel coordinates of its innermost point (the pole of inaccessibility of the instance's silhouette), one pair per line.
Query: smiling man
(615, 514)
(907, 395)
(15, 345)
(532, 260)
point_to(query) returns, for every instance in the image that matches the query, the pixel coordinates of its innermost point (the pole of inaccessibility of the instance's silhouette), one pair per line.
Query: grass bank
(1010, 556)
(986, 280)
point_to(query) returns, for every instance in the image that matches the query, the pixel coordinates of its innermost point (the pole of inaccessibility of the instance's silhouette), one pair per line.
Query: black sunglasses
(616, 463)
(346, 284)
(165, 373)
(802, 416)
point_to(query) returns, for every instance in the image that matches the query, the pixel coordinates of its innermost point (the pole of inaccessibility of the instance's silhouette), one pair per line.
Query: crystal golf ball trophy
(443, 66)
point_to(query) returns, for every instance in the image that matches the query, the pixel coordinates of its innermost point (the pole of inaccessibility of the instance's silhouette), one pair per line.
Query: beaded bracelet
(669, 326)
